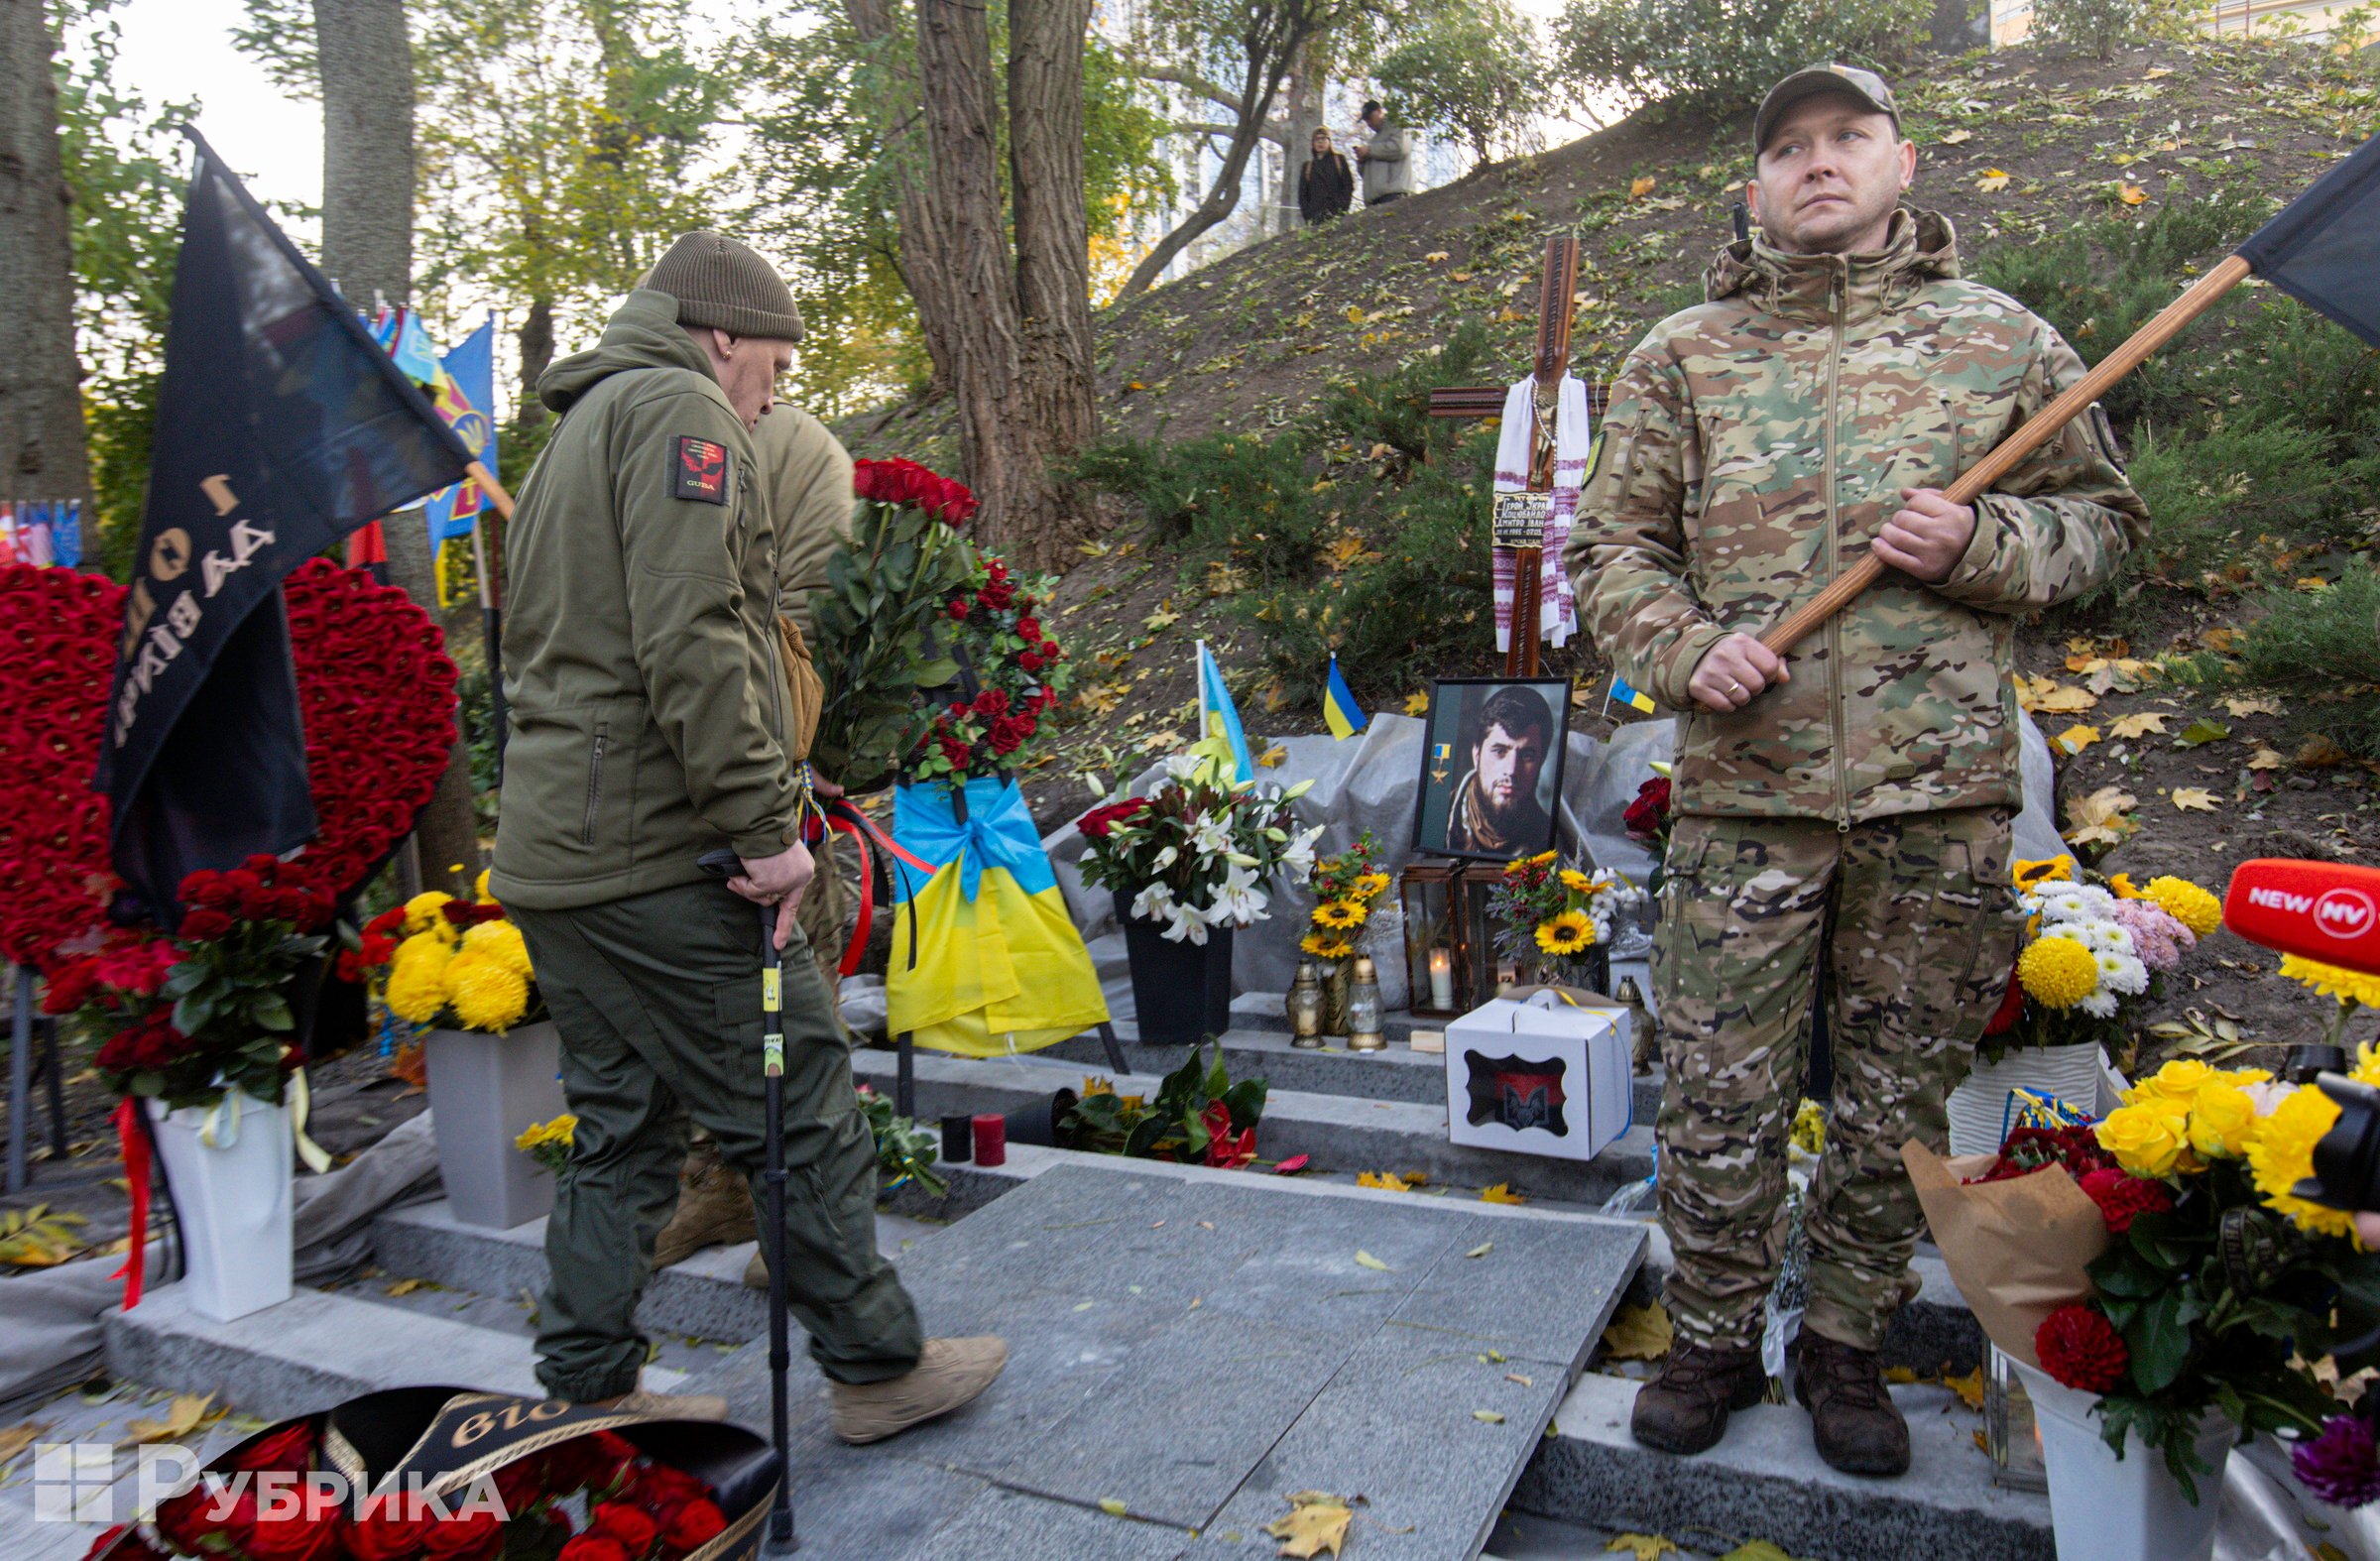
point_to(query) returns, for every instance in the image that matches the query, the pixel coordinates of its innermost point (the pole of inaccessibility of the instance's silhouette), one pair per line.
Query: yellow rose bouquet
(444, 963)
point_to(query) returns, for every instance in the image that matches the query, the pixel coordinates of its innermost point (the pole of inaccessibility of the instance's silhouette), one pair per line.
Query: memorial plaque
(1518, 519)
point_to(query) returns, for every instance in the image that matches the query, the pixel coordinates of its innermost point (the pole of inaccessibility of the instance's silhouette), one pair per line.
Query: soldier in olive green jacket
(649, 709)
(1845, 808)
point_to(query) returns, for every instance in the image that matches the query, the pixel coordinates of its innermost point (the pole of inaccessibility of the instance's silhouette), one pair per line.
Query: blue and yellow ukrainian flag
(1217, 717)
(1621, 693)
(1340, 712)
(986, 960)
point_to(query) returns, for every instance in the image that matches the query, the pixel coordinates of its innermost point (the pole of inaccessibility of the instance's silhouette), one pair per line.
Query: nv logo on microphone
(2344, 912)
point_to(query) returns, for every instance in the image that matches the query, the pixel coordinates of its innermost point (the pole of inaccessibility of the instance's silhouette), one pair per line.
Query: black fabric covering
(2323, 248)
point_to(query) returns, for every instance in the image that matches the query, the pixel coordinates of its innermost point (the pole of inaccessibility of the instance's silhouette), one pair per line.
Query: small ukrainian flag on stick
(1339, 708)
(1219, 718)
(1621, 693)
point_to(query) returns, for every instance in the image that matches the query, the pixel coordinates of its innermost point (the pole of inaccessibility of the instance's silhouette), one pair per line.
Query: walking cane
(726, 863)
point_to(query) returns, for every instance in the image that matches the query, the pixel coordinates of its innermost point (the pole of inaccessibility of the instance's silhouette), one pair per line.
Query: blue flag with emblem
(1340, 712)
(1217, 717)
(468, 403)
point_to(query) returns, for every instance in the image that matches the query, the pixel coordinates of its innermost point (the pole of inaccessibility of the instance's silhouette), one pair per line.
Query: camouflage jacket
(1753, 448)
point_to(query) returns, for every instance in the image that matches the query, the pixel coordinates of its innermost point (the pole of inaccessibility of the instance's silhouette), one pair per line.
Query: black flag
(280, 427)
(2323, 248)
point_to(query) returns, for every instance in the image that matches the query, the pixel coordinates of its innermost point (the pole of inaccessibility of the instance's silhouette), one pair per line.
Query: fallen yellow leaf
(1110, 1506)
(14, 1439)
(1385, 1181)
(2319, 752)
(403, 1287)
(1641, 186)
(1755, 1550)
(1417, 704)
(2101, 816)
(1488, 1417)
(2059, 700)
(2219, 640)
(2131, 195)
(2191, 798)
(1367, 1260)
(1163, 618)
(2144, 724)
(183, 1415)
(1640, 1333)
(1435, 256)
(1482, 1249)
(1970, 1387)
(1317, 1521)
(1957, 136)
(2076, 738)
(1641, 1547)
(2267, 759)
(1991, 181)
(1271, 758)
(1502, 1192)
(2252, 704)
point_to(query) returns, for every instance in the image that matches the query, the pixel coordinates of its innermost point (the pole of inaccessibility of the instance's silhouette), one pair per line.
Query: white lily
(1154, 902)
(1211, 835)
(1240, 900)
(1298, 859)
(1166, 858)
(1186, 922)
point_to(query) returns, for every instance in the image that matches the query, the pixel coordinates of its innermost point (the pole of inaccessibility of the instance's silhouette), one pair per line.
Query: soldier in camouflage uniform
(1853, 797)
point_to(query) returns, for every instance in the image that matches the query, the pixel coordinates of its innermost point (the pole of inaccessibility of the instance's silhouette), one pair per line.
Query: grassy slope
(1251, 341)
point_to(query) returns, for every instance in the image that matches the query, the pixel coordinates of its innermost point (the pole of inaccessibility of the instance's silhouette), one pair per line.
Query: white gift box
(1540, 1075)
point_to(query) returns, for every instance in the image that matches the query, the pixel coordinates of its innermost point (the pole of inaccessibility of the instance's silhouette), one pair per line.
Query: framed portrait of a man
(1491, 768)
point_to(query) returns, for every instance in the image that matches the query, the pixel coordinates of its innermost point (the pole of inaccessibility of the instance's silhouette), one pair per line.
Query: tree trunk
(926, 254)
(367, 68)
(42, 452)
(1017, 327)
(536, 340)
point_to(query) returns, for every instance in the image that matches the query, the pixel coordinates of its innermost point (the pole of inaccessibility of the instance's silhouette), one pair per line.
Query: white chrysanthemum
(2121, 973)
(2102, 937)
(2065, 905)
(2097, 901)
(2101, 1003)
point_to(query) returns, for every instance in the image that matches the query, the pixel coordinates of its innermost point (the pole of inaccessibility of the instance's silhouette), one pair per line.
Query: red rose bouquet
(1019, 671)
(290, 1507)
(58, 634)
(1646, 820)
(188, 1016)
(888, 590)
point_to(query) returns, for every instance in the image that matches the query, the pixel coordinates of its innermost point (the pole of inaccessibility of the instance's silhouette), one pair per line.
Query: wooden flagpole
(2038, 431)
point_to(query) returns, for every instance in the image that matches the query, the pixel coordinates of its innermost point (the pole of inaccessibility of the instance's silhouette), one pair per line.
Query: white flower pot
(233, 1201)
(2105, 1508)
(1979, 1109)
(483, 1090)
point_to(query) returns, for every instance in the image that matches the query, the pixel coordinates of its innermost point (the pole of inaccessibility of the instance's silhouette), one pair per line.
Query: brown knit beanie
(727, 286)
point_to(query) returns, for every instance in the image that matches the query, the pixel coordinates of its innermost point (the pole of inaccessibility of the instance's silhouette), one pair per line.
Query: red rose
(992, 701)
(386, 923)
(134, 1546)
(631, 1525)
(69, 987)
(2012, 1007)
(1643, 817)
(957, 608)
(208, 889)
(466, 1536)
(391, 1527)
(1007, 735)
(524, 1482)
(2123, 1197)
(203, 924)
(187, 1519)
(290, 1450)
(1031, 661)
(956, 752)
(1050, 651)
(1030, 629)
(664, 1490)
(2080, 1347)
(309, 1533)
(594, 1548)
(698, 1522)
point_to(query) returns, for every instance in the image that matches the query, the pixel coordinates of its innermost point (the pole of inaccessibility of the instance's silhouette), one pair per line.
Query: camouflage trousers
(1918, 928)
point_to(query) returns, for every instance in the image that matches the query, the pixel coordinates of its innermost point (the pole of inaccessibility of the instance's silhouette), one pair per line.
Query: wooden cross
(1556, 289)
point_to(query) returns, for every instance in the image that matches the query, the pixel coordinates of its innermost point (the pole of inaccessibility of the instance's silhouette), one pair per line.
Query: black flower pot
(1181, 991)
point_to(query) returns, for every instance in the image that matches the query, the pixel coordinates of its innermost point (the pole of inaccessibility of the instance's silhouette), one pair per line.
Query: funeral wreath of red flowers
(1019, 669)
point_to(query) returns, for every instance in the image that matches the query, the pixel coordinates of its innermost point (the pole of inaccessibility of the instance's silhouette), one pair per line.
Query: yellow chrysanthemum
(1339, 914)
(2180, 1079)
(1566, 934)
(2333, 980)
(2027, 873)
(479, 888)
(1810, 1127)
(1323, 945)
(417, 979)
(486, 994)
(2145, 1140)
(422, 912)
(2222, 1118)
(502, 942)
(2188, 903)
(561, 1129)
(2057, 971)
(2281, 1155)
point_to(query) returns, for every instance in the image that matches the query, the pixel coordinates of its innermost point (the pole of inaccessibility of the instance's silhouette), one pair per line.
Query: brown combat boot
(1685, 1408)
(1852, 1418)
(949, 1373)
(714, 1209)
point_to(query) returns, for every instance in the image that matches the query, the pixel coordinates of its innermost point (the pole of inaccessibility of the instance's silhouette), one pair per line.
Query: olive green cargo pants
(658, 998)
(1920, 928)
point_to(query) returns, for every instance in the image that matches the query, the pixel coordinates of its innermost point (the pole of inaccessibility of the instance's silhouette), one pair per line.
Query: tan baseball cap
(1864, 85)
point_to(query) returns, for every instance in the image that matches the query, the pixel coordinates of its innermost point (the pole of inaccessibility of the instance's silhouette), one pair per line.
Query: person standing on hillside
(1326, 186)
(1856, 795)
(1386, 158)
(648, 704)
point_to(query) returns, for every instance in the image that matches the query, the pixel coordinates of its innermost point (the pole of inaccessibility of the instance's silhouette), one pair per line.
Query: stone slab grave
(1197, 1352)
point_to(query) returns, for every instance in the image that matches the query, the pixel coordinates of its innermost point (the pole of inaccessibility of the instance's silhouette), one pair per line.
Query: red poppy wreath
(374, 683)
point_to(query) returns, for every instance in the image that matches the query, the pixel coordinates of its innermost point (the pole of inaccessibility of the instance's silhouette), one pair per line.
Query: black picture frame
(1449, 737)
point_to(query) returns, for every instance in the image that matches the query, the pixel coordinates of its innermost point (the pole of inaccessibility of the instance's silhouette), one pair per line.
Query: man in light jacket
(1387, 158)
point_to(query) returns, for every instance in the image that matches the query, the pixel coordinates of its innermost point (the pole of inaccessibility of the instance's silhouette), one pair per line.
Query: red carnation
(2080, 1347)
(698, 1522)
(631, 1525)
(2123, 1197)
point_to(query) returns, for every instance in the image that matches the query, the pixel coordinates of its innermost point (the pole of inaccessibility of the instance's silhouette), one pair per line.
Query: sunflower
(1544, 858)
(1372, 885)
(1576, 881)
(2057, 971)
(1339, 914)
(1566, 934)
(2281, 1154)
(1324, 946)
(2334, 981)
(2028, 874)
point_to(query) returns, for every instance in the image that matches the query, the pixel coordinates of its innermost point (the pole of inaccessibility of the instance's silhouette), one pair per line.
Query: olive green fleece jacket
(806, 473)
(641, 659)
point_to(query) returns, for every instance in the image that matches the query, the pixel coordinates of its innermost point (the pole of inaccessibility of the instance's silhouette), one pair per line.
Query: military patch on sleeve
(701, 469)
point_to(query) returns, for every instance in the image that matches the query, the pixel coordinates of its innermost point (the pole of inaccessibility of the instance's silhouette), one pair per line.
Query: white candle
(1442, 979)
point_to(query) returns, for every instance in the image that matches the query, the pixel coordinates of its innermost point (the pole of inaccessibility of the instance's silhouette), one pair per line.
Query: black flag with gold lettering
(280, 427)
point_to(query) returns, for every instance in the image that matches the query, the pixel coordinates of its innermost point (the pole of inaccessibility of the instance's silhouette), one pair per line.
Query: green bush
(1719, 55)
(1394, 409)
(2323, 650)
(2099, 27)
(1228, 495)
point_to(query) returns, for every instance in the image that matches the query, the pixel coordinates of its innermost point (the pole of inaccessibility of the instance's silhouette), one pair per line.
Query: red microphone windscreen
(2321, 910)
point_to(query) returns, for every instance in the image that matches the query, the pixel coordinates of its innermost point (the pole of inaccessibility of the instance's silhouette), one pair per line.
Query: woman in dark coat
(1326, 186)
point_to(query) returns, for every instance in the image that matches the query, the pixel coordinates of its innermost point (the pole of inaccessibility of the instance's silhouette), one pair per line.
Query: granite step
(1766, 1480)
(1335, 1131)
